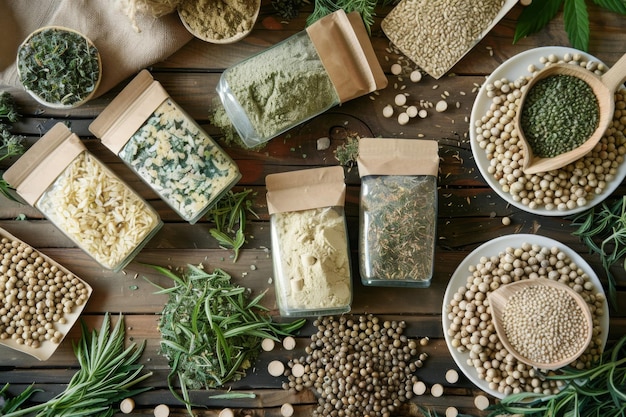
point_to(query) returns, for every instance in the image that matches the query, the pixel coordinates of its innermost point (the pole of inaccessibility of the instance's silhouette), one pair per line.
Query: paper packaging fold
(305, 189)
(346, 52)
(119, 121)
(380, 156)
(31, 176)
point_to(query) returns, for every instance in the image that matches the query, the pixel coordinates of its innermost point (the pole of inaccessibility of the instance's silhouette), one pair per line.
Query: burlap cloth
(123, 49)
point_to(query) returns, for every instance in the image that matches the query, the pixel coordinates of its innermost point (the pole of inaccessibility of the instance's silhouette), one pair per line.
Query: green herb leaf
(535, 16)
(576, 21)
(617, 6)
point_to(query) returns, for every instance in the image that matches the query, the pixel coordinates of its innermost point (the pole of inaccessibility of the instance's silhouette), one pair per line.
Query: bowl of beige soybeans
(467, 319)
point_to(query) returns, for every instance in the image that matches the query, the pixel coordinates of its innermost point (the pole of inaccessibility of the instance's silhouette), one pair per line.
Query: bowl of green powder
(219, 21)
(59, 67)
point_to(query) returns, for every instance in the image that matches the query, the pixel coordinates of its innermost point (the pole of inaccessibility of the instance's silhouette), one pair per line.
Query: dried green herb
(287, 9)
(211, 331)
(399, 215)
(8, 109)
(229, 217)
(59, 66)
(348, 152)
(603, 230)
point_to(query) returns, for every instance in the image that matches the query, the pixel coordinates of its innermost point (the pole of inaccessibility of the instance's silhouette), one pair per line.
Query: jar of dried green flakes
(58, 79)
(158, 140)
(398, 211)
(88, 202)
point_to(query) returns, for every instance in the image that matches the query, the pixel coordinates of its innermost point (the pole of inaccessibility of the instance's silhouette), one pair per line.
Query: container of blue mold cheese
(83, 198)
(171, 153)
(310, 249)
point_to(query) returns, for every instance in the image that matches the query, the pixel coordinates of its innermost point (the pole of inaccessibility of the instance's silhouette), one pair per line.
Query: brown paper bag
(124, 50)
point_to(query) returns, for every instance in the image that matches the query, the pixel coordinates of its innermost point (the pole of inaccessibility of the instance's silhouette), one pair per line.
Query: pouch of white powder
(310, 249)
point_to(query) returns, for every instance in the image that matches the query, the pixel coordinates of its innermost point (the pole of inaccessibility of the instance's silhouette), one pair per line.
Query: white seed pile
(436, 34)
(34, 295)
(98, 211)
(544, 324)
(567, 188)
(471, 328)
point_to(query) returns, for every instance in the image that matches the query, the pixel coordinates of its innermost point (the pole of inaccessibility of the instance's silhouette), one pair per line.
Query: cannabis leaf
(575, 17)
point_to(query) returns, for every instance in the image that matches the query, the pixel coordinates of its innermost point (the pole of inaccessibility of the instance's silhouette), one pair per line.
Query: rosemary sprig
(365, 7)
(10, 404)
(229, 217)
(211, 332)
(108, 372)
(597, 391)
(605, 224)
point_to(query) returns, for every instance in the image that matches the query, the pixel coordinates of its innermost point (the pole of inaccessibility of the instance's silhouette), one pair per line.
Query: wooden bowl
(604, 89)
(230, 39)
(58, 105)
(498, 300)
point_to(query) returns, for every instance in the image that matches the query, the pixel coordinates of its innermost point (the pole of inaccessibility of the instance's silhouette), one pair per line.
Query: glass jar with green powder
(329, 63)
(271, 92)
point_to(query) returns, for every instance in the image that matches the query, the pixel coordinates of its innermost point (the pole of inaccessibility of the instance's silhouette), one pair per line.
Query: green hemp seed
(560, 114)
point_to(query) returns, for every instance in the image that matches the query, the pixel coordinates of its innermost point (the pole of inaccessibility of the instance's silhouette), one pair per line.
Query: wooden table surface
(470, 213)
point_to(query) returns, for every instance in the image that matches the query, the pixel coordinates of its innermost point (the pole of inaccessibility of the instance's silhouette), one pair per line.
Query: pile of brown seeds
(357, 366)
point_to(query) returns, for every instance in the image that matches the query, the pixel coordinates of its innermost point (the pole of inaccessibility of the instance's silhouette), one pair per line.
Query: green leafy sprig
(605, 224)
(365, 7)
(9, 404)
(10, 144)
(8, 109)
(597, 391)
(108, 372)
(229, 216)
(211, 331)
(575, 18)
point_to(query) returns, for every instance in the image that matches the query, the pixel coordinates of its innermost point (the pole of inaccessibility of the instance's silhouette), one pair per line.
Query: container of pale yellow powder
(310, 248)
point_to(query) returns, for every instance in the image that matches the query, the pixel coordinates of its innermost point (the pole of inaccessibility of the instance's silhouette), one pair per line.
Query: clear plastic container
(180, 161)
(311, 257)
(277, 89)
(99, 212)
(397, 225)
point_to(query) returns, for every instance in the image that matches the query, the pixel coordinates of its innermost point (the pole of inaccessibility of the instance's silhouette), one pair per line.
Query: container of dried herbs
(82, 197)
(59, 67)
(171, 153)
(398, 211)
(219, 21)
(310, 249)
(269, 93)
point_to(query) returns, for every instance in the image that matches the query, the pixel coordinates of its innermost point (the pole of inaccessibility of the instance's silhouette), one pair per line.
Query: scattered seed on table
(403, 118)
(276, 368)
(416, 76)
(127, 405)
(436, 390)
(161, 410)
(452, 376)
(226, 412)
(289, 343)
(396, 69)
(297, 370)
(411, 111)
(452, 412)
(388, 111)
(419, 388)
(423, 113)
(400, 100)
(424, 341)
(441, 106)
(506, 221)
(481, 402)
(267, 344)
(286, 410)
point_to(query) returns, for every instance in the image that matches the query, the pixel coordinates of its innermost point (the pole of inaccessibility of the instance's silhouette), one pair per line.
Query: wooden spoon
(498, 300)
(603, 87)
